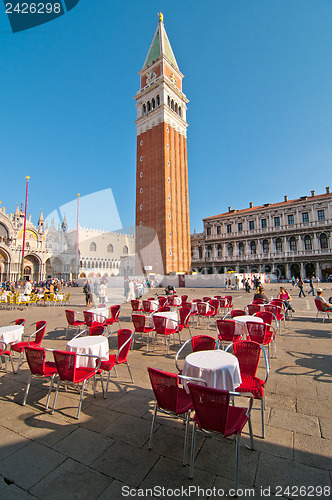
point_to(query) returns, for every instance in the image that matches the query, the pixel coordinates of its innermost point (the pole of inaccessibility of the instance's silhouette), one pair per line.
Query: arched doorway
(31, 268)
(295, 270)
(309, 270)
(4, 265)
(54, 268)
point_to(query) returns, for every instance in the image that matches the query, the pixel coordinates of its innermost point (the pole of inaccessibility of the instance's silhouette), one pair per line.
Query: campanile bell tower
(162, 199)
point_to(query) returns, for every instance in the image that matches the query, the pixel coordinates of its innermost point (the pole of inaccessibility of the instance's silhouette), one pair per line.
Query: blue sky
(258, 76)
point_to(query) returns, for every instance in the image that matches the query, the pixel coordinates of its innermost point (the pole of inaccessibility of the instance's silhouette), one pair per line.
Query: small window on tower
(170, 253)
(141, 174)
(141, 143)
(141, 207)
(169, 216)
(169, 180)
(170, 234)
(141, 223)
(167, 146)
(168, 163)
(176, 107)
(153, 103)
(168, 102)
(141, 190)
(158, 100)
(144, 109)
(167, 130)
(141, 158)
(169, 198)
(180, 112)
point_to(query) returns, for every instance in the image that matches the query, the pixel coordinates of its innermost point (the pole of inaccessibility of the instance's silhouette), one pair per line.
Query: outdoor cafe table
(218, 368)
(240, 323)
(11, 333)
(96, 345)
(99, 313)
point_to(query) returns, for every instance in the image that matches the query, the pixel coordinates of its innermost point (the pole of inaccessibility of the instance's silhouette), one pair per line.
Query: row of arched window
(279, 247)
(110, 249)
(174, 106)
(101, 265)
(150, 105)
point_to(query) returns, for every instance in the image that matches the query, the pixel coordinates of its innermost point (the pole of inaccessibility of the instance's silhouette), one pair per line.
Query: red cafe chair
(164, 309)
(279, 314)
(226, 332)
(72, 321)
(248, 354)
(162, 301)
(90, 322)
(205, 310)
(184, 299)
(253, 309)
(5, 351)
(263, 334)
(40, 369)
(229, 304)
(20, 346)
(136, 306)
(184, 317)
(171, 400)
(142, 325)
(124, 340)
(215, 415)
(319, 307)
(235, 312)
(72, 375)
(114, 316)
(147, 307)
(166, 328)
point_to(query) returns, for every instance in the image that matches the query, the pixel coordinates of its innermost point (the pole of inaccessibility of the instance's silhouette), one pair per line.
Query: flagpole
(25, 225)
(77, 234)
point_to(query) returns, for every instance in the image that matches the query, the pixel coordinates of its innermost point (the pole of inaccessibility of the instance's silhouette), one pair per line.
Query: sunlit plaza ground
(48, 456)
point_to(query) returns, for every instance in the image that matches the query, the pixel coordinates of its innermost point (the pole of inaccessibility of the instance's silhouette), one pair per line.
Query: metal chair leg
(49, 392)
(81, 399)
(152, 426)
(26, 391)
(192, 455)
(130, 372)
(56, 395)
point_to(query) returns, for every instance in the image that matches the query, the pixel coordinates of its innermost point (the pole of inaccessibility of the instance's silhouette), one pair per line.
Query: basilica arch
(4, 265)
(31, 267)
(54, 268)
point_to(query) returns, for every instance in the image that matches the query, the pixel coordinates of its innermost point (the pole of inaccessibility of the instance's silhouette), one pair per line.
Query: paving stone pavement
(105, 455)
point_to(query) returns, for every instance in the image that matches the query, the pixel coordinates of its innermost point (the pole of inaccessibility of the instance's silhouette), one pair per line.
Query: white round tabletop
(240, 326)
(95, 344)
(218, 368)
(11, 333)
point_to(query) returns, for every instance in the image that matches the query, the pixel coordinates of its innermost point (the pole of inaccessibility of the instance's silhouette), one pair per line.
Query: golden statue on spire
(161, 17)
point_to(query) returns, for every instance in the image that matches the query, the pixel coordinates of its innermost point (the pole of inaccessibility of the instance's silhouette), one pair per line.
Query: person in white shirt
(27, 287)
(102, 292)
(326, 306)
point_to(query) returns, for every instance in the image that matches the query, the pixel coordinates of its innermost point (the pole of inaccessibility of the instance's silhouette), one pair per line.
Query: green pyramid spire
(160, 46)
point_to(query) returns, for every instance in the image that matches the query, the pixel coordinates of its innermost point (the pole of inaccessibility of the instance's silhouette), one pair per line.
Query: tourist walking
(312, 286)
(300, 284)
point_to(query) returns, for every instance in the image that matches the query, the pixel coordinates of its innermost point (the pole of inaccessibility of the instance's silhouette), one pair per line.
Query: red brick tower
(162, 200)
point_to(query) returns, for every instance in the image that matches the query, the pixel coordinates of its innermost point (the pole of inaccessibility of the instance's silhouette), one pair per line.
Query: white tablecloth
(23, 298)
(11, 333)
(99, 313)
(240, 323)
(96, 345)
(219, 369)
(177, 301)
(170, 315)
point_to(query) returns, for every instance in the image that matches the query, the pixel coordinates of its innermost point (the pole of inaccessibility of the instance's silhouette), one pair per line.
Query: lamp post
(77, 234)
(25, 225)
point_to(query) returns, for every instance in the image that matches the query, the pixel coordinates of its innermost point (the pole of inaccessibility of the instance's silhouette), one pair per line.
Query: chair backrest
(184, 299)
(266, 316)
(202, 308)
(66, 365)
(206, 299)
(40, 331)
(97, 330)
(226, 329)
(36, 359)
(253, 309)
(20, 322)
(230, 300)
(165, 388)
(277, 302)
(162, 301)
(70, 315)
(211, 407)
(159, 324)
(147, 306)
(139, 322)
(164, 309)
(170, 300)
(223, 302)
(135, 305)
(197, 300)
(258, 301)
(184, 316)
(115, 312)
(187, 305)
(203, 343)
(215, 304)
(257, 331)
(88, 318)
(248, 354)
(237, 312)
(274, 309)
(319, 305)
(124, 341)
